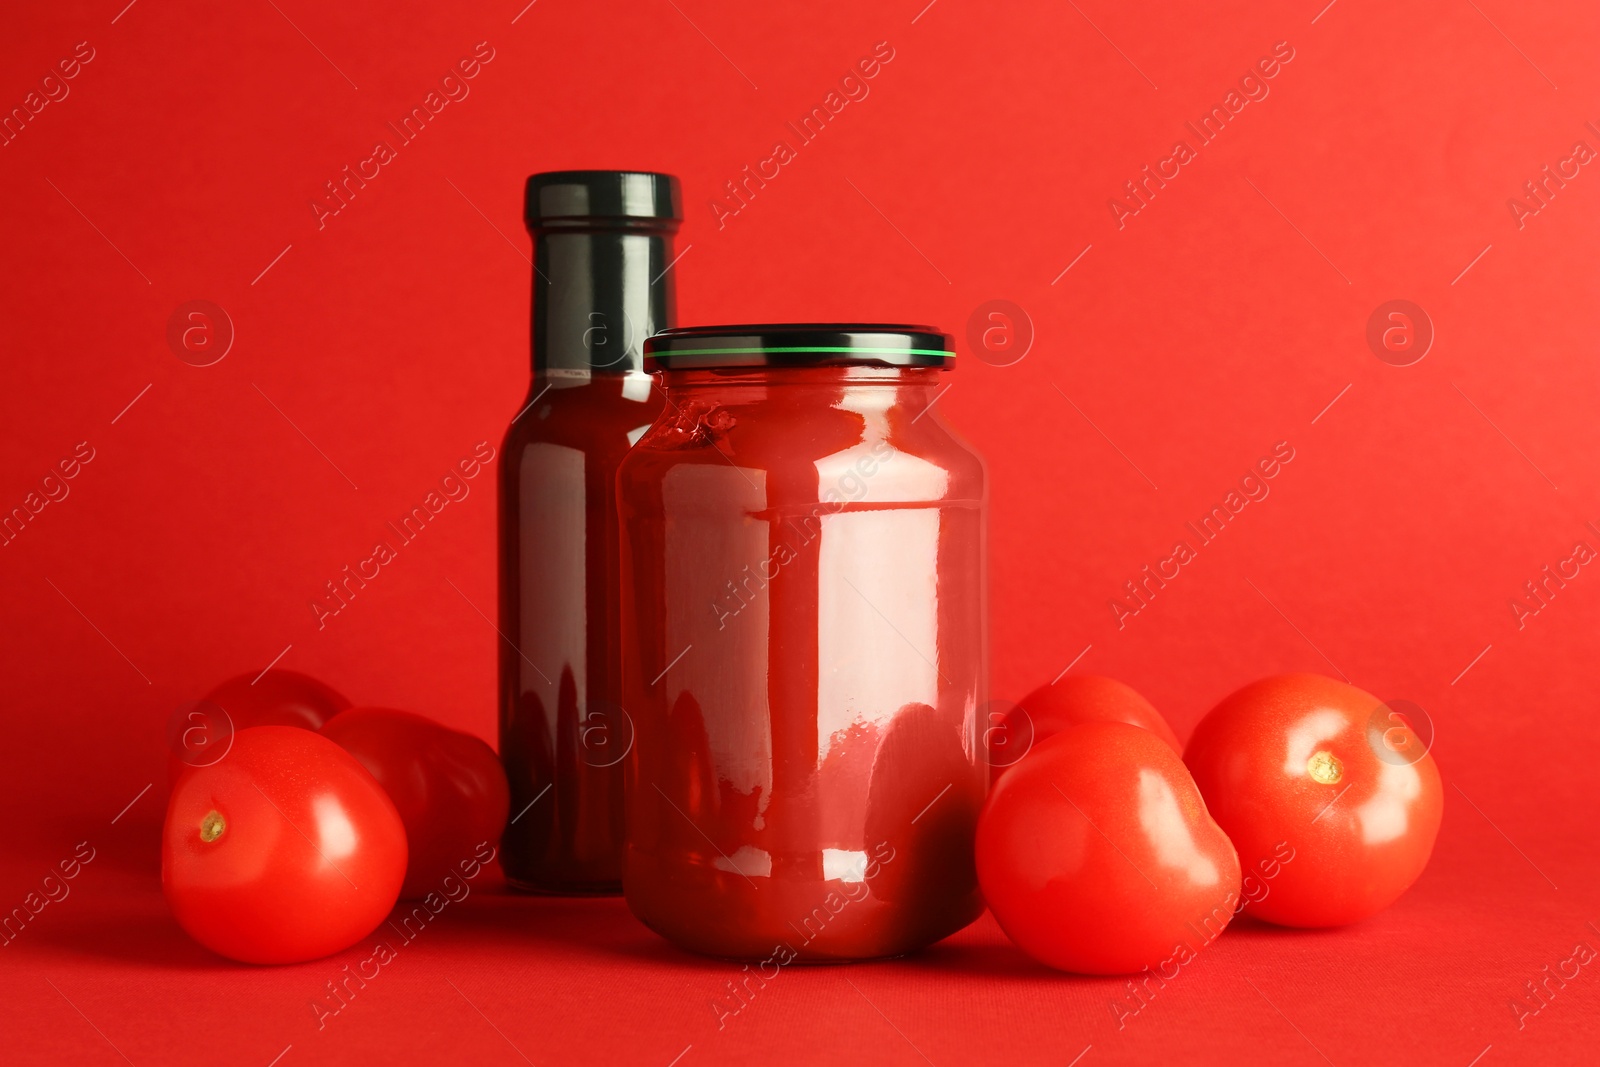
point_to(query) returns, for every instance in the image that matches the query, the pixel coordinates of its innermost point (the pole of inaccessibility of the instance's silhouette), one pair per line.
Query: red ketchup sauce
(804, 645)
(602, 248)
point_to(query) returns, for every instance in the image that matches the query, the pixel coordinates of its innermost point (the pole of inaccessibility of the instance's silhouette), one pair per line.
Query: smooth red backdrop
(1224, 317)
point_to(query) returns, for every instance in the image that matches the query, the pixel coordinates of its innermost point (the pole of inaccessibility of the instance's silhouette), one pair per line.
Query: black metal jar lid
(790, 344)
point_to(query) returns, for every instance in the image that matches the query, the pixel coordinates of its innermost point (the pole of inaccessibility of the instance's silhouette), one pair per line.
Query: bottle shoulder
(601, 416)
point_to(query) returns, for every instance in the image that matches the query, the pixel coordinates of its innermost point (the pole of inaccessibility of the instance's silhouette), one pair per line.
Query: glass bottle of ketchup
(602, 284)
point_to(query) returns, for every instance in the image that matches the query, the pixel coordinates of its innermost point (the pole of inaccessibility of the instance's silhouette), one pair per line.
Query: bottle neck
(597, 294)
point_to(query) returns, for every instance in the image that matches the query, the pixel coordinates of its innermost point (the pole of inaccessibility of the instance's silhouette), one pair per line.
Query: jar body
(804, 662)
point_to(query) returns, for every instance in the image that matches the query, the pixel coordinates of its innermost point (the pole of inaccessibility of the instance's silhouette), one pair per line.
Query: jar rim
(800, 345)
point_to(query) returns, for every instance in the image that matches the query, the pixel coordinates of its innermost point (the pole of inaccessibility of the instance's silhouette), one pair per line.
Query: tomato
(286, 849)
(1051, 708)
(1319, 770)
(201, 733)
(277, 698)
(1096, 854)
(449, 787)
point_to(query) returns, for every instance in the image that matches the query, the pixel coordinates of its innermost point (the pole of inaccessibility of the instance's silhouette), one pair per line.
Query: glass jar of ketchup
(804, 645)
(601, 285)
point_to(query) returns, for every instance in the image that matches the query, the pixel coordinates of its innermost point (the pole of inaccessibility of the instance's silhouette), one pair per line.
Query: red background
(1223, 318)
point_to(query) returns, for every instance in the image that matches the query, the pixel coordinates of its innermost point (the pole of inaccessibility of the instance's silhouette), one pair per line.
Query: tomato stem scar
(212, 825)
(1324, 767)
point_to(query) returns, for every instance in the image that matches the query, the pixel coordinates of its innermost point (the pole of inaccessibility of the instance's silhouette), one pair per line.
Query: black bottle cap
(602, 197)
(821, 344)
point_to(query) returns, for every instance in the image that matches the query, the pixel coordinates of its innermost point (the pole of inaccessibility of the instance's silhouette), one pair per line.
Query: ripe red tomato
(277, 698)
(449, 787)
(1325, 770)
(285, 849)
(1077, 698)
(1096, 854)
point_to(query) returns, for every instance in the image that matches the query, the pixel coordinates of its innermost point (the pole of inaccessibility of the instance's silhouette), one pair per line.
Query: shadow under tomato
(137, 939)
(1246, 925)
(997, 962)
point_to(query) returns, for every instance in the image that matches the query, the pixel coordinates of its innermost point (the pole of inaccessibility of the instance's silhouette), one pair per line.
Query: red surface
(1198, 336)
